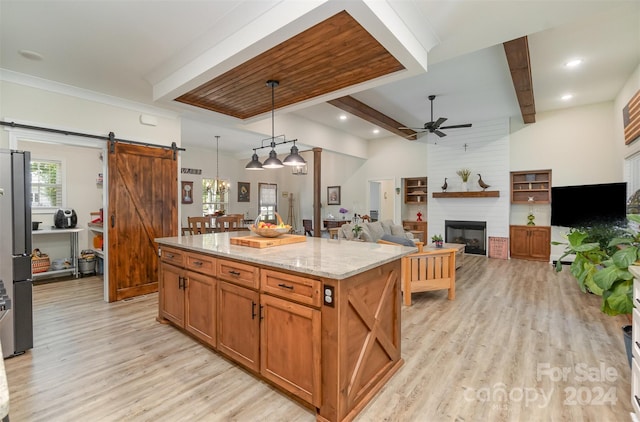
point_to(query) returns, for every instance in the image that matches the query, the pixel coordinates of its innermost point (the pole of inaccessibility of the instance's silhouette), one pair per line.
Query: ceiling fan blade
(438, 122)
(456, 126)
(412, 128)
(440, 134)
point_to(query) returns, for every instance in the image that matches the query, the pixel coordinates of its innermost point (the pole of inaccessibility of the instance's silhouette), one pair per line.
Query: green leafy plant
(464, 174)
(602, 259)
(357, 229)
(436, 238)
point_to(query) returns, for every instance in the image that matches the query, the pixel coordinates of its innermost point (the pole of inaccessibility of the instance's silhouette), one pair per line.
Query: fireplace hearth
(473, 234)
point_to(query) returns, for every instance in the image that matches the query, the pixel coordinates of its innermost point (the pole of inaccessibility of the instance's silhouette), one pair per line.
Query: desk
(333, 224)
(73, 241)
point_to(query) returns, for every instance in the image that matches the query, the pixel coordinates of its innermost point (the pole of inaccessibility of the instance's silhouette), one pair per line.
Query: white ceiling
(127, 49)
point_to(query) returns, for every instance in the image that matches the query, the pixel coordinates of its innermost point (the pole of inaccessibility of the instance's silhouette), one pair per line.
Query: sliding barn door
(142, 207)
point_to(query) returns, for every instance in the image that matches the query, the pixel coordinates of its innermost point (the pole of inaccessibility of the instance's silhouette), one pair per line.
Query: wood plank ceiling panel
(334, 54)
(517, 52)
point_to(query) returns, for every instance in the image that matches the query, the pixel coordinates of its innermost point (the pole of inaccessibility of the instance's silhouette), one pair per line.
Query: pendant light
(294, 159)
(221, 187)
(254, 164)
(273, 162)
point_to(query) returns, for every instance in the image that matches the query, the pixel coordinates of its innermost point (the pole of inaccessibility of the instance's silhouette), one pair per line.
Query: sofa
(374, 231)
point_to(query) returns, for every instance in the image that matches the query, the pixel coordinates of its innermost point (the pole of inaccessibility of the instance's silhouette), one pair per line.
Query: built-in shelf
(474, 194)
(415, 190)
(533, 186)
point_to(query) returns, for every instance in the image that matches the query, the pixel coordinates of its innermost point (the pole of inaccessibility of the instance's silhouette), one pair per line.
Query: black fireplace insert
(473, 234)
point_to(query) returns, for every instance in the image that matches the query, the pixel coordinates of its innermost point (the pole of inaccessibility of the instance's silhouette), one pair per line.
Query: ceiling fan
(434, 127)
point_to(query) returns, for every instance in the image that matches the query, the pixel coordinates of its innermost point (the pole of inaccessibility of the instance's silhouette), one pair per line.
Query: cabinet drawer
(172, 256)
(201, 263)
(292, 287)
(238, 273)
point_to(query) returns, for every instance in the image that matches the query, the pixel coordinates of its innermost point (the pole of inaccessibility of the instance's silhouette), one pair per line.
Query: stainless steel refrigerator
(16, 326)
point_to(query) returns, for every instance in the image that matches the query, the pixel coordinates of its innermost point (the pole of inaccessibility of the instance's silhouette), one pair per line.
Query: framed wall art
(244, 191)
(187, 192)
(333, 195)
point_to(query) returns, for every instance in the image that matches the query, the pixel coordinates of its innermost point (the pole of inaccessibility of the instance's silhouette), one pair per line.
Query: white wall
(83, 111)
(484, 149)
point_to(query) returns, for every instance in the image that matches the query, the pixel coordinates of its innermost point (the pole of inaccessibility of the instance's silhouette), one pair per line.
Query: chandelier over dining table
(220, 187)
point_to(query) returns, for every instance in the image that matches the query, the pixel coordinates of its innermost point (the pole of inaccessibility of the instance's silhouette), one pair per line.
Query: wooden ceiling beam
(363, 111)
(517, 52)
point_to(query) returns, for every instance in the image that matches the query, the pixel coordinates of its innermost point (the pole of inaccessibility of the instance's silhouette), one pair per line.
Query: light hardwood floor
(496, 353)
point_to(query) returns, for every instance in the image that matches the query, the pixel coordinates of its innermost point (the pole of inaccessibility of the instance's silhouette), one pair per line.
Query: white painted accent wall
(487, 153)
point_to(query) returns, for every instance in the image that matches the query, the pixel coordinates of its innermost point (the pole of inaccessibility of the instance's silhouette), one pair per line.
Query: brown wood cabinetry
(188, 293)
(529, 187)
(530, 242)
(420, 226)
(239, 324)
(290, 340)
(332, 343)
(415, 190)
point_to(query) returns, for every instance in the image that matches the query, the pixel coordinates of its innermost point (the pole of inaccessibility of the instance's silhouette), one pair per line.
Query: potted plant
(437, 240)
(357, 230)
(464, 175)
(603, 254)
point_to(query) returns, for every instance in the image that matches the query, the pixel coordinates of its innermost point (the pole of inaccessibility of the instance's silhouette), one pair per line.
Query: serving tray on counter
(267, 242)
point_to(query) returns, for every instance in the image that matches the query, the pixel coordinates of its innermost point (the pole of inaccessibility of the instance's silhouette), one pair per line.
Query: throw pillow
(386, 226)
(399, 240)
(397, 230)
(376, 231)
(346, 231)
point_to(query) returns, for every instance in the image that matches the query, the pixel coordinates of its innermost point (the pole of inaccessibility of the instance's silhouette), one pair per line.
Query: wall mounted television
(585, 205)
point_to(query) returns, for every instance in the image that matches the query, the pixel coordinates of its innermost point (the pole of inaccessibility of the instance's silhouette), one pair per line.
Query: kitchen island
(318, 319)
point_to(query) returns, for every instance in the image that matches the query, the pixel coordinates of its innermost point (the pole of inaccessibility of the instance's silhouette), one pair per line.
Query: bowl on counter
(274, 230)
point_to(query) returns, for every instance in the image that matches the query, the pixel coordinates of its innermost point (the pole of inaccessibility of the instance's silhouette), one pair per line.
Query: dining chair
(226, 223)
(308, 227)
(199, 225)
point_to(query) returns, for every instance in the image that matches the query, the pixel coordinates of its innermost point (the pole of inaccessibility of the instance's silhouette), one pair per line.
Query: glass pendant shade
(272, 162)
(294, 159)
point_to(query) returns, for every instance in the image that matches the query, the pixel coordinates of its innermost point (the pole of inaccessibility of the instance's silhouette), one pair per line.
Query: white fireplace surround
(484, 149)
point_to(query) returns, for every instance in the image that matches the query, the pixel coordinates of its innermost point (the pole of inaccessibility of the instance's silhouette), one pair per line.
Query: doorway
(382, 199)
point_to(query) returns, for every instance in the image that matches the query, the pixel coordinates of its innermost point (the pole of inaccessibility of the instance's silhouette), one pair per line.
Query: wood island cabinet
(530, 242)
(332, 343)
(239, 312)
(188, 293)
(290, 333)
(239, 324)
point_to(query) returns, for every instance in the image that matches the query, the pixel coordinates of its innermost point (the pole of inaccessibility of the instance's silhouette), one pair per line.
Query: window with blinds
(268, 201)
(46, 184)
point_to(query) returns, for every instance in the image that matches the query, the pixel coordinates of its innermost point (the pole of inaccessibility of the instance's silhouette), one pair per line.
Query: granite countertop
(332, 258)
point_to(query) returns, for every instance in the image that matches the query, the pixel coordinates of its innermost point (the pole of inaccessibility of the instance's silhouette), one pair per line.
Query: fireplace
(471, 233)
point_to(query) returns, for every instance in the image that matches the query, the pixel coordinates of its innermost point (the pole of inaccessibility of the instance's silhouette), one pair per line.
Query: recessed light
(566, 97)
(376, 131)
(573, 63)
(31, 55)
(343, 117)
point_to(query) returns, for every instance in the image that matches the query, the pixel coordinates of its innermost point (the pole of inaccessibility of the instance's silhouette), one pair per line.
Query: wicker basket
(270, 231)
(40, 262)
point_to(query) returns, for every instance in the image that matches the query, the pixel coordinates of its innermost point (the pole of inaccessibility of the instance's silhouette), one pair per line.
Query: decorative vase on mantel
(465, 187)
